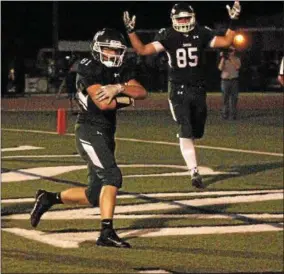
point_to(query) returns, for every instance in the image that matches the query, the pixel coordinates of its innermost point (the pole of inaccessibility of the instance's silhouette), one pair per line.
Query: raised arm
(136, 43)
(227, 40)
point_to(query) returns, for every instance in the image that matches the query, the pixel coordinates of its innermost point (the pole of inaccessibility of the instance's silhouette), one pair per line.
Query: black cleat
(42, 204)
(109, 238)
(196, 180)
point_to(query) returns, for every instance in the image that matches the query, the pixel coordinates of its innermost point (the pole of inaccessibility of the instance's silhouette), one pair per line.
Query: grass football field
(234, 225)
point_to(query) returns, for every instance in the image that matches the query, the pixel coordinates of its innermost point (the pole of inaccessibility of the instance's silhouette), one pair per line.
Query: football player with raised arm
(105, 82)
(184, 43)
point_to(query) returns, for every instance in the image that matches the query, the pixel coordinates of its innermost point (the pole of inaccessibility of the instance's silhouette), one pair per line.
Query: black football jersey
(91, 72)
(185, 52)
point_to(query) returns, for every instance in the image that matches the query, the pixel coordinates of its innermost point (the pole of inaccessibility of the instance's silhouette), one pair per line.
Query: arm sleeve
(161, 41)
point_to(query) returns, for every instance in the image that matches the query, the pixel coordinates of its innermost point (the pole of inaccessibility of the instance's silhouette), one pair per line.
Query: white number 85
(188, 58)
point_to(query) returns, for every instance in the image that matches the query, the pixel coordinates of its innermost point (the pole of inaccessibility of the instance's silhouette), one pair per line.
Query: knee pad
(111, 176)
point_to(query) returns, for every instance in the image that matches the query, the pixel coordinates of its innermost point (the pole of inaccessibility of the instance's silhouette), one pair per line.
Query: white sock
(188, 152)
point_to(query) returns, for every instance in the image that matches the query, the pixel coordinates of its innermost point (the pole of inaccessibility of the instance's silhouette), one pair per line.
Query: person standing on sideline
(105, 82)
(69, 82)
(229, 66)
(185, 42)
(281, 73)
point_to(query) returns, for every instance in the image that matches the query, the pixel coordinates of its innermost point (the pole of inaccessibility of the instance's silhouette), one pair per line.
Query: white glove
(129, 23)
(108, 92)
(235, 11)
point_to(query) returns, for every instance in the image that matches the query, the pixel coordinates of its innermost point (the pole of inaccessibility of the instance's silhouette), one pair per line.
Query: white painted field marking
(165, 195)
(19, 148)
(154, 271)
(35, 173)
(89, 213)
(29, 174)
(157, 142)
(42, 237)
(39, 156)
(73, 240)
(158, 216)
(205, 147)
(35, 131)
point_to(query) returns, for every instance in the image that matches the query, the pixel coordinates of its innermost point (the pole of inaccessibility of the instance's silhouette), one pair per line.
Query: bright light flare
(239, 39)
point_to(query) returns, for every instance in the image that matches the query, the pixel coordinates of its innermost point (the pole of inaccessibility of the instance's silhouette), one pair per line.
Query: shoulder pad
(161, 34)
(208, 28)
(161, 30)
(87, 66)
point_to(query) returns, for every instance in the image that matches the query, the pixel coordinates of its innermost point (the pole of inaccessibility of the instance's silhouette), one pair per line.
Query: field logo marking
(36, 173)
(73, 240)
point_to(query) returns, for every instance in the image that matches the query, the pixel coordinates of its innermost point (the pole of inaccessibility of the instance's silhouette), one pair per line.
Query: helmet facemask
(184, 27)
(110, 60)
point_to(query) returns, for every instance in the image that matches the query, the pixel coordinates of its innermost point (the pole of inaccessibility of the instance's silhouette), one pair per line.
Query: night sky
(27, 26)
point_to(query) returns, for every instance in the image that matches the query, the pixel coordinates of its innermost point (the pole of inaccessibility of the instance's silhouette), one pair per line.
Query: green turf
(255, 131)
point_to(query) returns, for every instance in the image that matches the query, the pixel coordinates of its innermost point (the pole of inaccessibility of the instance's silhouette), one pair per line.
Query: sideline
(157, 142)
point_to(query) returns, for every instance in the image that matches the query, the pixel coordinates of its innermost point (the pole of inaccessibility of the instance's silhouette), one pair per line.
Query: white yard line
(39, 172)
(165, 195)
(40, 156)
(73, 240)
(20, 148)
(89, 213)
(205, 147)
(159, 142)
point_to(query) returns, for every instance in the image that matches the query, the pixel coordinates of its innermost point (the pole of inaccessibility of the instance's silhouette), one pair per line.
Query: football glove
(129, 23)
(108, 92)
(235, 11)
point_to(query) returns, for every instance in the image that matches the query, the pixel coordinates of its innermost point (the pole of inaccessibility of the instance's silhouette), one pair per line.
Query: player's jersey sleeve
(207, 36)
(88, 74)
(161, 40)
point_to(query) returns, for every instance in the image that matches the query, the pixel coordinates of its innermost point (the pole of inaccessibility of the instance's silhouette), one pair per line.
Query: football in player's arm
(105, 82)
(111, 96)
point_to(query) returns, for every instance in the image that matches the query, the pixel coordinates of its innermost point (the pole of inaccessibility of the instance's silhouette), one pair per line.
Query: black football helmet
(112, 39)
(183, 10)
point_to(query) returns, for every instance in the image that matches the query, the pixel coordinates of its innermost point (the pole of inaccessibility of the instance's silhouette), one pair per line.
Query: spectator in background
(229, 66)
(11, 88)
(69, 82)
(281, 74)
